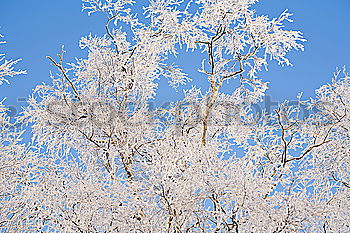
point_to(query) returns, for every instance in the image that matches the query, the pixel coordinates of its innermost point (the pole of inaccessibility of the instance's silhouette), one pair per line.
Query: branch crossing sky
(37, 28)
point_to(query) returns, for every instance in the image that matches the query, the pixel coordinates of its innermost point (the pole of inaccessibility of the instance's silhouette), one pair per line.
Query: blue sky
(34, 29)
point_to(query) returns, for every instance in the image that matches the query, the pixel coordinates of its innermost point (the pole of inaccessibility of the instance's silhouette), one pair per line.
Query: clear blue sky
(36, 28)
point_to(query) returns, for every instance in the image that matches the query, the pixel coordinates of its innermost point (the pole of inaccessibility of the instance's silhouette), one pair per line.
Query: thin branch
(60, 67)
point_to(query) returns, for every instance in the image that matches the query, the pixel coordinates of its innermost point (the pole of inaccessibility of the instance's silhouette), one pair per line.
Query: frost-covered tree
(104, 161)
(14, 155)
